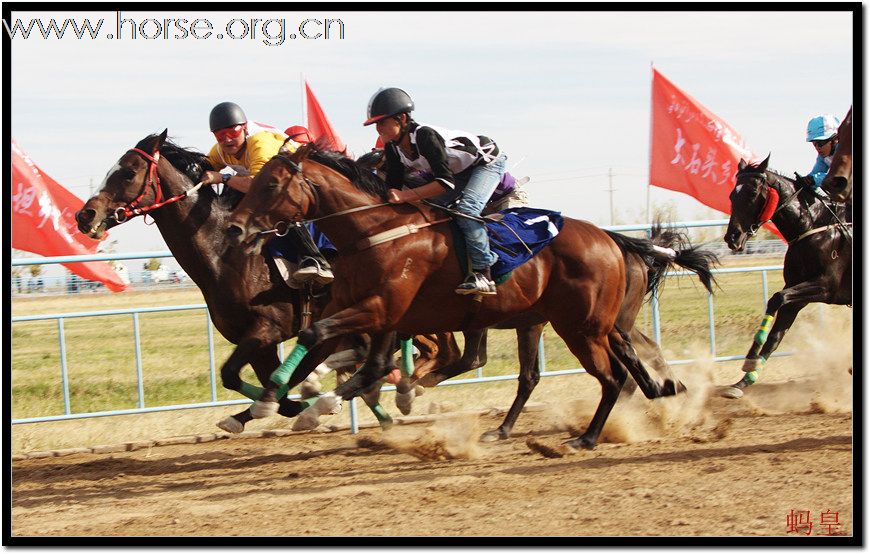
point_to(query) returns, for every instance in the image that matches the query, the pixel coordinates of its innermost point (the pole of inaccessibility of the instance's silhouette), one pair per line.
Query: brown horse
(641, 279)
(817, 265)
(247, 300)
(403, 284)
(838, 181)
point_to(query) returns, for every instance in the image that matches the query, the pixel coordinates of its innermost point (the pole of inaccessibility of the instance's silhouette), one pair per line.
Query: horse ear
(763, 165)
(741, 165)
(161, 139)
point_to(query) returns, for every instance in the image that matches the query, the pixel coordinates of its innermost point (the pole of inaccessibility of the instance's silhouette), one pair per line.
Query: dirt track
(720, 468)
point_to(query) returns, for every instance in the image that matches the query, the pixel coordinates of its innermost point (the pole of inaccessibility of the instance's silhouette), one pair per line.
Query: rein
(362, 244)
(133, 209)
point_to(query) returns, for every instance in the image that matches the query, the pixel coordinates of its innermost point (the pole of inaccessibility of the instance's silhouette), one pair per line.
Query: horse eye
(125, 173)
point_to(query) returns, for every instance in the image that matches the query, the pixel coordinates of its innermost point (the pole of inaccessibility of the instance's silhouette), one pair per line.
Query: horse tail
(667, 249)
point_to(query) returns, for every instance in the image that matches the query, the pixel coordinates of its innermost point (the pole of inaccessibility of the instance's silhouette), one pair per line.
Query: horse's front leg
(782, 309)
(368, 314)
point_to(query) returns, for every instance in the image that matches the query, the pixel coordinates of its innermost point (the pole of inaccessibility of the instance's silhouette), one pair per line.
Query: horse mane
(360, 175)
(192, 163)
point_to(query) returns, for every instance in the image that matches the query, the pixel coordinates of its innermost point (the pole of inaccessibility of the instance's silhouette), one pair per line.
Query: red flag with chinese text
(693, 150)
(43, 221)
(318, 124)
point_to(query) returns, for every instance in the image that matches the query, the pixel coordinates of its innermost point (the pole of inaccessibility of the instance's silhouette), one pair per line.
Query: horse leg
(595, 355)
(620, 344)
(651, 354)
(251, 350)
(782, 309)
(528, 339)
(473, 357)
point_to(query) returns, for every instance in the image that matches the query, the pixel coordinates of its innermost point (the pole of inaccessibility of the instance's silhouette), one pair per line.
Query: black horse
(818, 262)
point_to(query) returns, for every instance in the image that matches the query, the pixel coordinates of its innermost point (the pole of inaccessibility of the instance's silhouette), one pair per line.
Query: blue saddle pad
(536, 227)
(283, 247)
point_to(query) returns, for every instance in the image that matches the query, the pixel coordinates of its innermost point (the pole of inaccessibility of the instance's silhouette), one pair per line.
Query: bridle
(152, 182)
(772, 206)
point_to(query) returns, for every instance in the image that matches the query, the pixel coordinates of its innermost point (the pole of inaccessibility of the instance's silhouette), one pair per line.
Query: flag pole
(304, 107)
(649, 156)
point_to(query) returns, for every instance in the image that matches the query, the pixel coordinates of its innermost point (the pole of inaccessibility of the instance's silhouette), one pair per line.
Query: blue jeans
(482, 183)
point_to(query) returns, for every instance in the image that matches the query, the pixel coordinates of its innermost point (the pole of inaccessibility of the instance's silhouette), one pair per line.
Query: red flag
(318, 124)
(693, 150)
(43, 221)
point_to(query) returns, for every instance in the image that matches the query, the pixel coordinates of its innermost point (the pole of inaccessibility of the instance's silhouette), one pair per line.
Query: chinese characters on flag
(43, 221)
(318, 124)
(693, 150)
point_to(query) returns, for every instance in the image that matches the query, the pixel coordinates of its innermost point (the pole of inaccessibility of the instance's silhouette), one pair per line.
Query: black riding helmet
(226, 114)
(388, 102)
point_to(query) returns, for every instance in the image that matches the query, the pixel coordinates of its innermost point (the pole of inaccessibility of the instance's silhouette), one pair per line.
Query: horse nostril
(86, 215)
(234, 231)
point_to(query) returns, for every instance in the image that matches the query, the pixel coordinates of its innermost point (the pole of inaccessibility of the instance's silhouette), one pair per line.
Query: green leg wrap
(751, 377)
(763, 330)
(407, 358)
(309, 401)
(381, 414)
(255, 393)
(281, 376)
(251, 391)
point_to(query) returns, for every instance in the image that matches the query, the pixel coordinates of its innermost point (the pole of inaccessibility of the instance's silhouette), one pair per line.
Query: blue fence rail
(134, 313)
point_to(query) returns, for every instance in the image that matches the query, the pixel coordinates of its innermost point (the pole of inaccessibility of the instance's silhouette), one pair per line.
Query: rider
(465, 165)
(822, 132)
(245, 147)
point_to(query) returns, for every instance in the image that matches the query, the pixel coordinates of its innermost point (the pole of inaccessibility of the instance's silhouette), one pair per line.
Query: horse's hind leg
(622, 348)
(595, 355)
(528, 339)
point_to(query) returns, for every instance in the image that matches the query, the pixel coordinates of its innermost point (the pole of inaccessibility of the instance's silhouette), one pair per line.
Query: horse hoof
(672, 387)
(580, 443)
(405, 402)
(492, 436)
(231, 425)
(335, 409)
(418, 390)
(309, 389)
(306, 421)
(262, 409)
(731, 392)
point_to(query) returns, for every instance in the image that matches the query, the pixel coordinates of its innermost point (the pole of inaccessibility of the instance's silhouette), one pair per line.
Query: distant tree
(152, 265)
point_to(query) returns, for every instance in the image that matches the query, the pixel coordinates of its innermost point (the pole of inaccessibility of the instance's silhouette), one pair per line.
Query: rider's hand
(211, 177)
(395, 196)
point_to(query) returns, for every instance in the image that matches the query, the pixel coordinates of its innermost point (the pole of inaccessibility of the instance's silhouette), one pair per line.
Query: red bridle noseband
(152, 181)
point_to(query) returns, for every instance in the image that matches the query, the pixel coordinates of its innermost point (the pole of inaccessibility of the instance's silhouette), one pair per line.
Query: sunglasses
(229, 132)
(820, 143)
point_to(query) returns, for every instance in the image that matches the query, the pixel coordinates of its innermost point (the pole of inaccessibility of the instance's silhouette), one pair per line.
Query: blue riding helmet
(822, 127)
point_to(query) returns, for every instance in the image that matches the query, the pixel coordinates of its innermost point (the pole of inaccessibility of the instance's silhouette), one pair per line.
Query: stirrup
(311, 269)
(476, 283)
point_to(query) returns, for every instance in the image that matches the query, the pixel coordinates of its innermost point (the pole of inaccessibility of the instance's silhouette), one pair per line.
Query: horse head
(752, 203)
(838, 181)
(278, 197)
(130, 183)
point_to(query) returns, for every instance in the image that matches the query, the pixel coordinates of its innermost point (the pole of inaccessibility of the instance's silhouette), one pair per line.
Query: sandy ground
(663, 469)
(692, 465)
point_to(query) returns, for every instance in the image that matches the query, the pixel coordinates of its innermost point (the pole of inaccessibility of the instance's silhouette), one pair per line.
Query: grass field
(175, 365)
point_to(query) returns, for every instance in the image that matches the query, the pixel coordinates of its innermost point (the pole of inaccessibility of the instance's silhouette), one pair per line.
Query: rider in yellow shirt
(245, 148)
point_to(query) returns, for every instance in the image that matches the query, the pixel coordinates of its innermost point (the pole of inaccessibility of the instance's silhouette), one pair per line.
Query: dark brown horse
(818, 262)
(403, 284)
(247, 300)
(838, 181)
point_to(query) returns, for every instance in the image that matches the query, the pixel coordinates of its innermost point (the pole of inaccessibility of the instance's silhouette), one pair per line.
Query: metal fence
(60, 318)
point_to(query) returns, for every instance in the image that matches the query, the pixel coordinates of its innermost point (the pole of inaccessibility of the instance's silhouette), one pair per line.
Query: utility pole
(610, 189)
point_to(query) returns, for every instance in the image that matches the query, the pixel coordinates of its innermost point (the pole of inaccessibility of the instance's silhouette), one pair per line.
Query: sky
(565, 94)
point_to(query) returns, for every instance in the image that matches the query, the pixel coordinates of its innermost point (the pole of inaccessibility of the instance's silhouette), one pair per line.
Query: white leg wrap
(261, 409)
